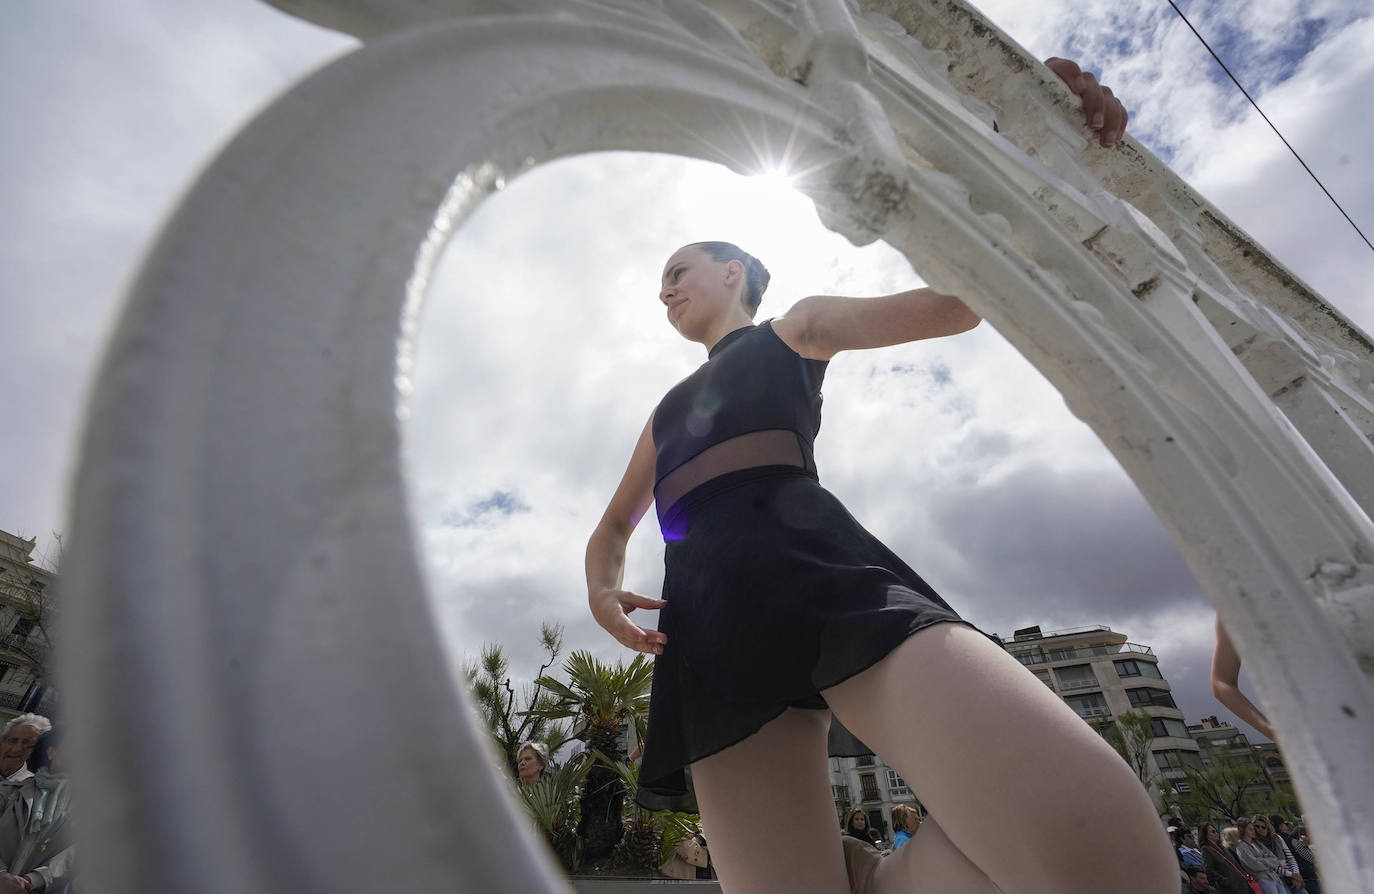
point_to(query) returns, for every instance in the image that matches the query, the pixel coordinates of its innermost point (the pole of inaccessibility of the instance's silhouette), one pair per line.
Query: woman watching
(906, 821)
(531, 761)
(1220, 861)
(1257, 859)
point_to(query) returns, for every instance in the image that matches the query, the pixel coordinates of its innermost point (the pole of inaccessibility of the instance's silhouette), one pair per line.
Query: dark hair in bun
(755, 274)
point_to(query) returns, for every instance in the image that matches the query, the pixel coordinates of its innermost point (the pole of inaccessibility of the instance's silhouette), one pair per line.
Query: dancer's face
(697, 290)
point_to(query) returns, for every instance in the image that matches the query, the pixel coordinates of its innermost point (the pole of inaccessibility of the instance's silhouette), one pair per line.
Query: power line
(1271, 124)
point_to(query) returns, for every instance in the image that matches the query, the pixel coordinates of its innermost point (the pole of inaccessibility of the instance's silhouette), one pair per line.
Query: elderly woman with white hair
(17, 741)
(31, 823)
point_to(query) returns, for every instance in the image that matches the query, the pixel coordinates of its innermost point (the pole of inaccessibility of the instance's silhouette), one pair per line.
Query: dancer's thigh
(1020, 784)
(768, 813)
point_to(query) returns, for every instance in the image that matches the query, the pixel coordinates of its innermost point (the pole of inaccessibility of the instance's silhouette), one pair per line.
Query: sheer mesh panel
(774, 447)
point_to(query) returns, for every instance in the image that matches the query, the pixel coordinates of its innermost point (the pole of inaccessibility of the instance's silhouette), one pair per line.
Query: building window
(869, 782)
(1089, 706)
(1168, 760)
(4, 669)
(1044, 678)
(1144, 698)
(1079, 676)
(22, 627)
(1133, 668)
(840, 792)
(37, 586)
(1168, 726)
(1274, 763)
(896, 785)
(1182, 787)
(865, 760)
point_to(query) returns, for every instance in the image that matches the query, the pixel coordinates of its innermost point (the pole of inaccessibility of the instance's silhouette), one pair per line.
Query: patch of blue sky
(1259, 61)
(480, 513)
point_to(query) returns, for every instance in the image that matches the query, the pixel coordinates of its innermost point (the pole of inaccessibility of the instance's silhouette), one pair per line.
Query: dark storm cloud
(1047, 544)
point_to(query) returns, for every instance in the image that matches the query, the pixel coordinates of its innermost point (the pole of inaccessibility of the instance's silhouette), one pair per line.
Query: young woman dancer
(779, 608)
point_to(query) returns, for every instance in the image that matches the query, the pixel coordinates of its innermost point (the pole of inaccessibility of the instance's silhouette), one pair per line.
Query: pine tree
(512, 715)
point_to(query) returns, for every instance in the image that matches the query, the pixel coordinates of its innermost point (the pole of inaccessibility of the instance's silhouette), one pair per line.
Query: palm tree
(552, 804)
(601, 699)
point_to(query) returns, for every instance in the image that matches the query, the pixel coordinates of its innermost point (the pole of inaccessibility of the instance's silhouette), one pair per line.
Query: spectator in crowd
(532, 759)
(35, 840)
(1197, 883)
(1219, 859)
(906, 821)
(1266, 834)
(861, 855)
(1189, 857)
(17, 741)
(1257, 859)
(691, 860)
(857, 827)
(1281, 826)
(1301, 846)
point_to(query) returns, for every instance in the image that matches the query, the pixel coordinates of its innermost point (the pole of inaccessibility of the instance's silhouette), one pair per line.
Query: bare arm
(1225, 684)
(821, 326)
(609, 603)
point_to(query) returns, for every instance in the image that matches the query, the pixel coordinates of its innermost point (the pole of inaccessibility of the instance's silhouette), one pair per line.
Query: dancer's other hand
(1102, 111)
(611, 608)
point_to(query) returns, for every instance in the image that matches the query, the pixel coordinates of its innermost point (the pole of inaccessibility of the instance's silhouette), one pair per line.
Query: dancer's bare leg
(771, 825)
(768, 813)
(1016, 781)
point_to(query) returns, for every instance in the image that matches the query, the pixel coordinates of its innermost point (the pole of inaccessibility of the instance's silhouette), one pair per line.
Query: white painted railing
(239, 507)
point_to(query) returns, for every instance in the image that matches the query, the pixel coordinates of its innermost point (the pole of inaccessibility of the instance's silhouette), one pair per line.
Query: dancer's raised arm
(609, 603)
(821, 326)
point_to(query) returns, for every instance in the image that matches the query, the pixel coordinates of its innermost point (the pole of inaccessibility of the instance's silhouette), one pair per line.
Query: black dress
(774, 592)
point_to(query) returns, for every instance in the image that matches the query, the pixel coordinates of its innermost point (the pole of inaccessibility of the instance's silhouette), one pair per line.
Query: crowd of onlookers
(1255, 855)
(36, 853)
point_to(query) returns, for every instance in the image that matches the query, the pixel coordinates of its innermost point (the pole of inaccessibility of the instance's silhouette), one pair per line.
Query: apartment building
(25, 607)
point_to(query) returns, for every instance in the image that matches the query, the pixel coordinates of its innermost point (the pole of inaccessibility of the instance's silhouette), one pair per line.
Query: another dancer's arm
(610, 604)
(1225, 684)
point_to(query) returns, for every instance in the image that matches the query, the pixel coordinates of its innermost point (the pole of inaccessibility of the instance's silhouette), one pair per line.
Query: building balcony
(30, 647)
(1100, 651)
(1078, 684)
(1103, 713)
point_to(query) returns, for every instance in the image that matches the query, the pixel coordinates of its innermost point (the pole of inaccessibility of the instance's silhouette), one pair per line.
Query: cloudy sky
(543, 347)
